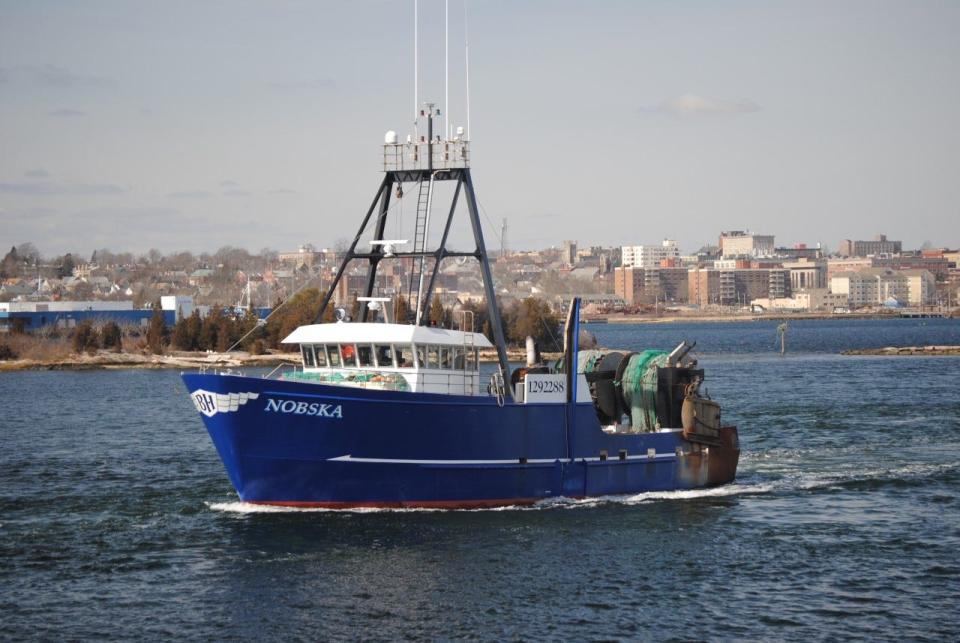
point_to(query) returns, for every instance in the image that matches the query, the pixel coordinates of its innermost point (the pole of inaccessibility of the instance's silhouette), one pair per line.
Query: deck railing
(447, 155)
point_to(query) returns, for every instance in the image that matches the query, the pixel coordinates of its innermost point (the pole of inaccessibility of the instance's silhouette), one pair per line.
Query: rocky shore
(905, 350)
(174, 360)
(190, 361)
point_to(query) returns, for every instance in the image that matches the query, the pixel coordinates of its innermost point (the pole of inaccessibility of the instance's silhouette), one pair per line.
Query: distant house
(200, 276)
(587, 273)
(16, 289)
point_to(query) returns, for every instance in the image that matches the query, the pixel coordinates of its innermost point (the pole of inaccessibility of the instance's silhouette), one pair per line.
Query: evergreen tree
(10, 267)
(85, 338)
(225, 331)
(157, 330)
(194, 326)
(437, 313)
(248, 328)
(533, 317)
(66, 266)
(480, 317)
(401, 310)
(111, 336)
(209, 330)
(301, 309)
(180, 337)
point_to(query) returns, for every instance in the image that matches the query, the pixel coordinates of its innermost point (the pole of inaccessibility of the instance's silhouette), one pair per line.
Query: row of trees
(88, 338)
(222, 330)
(530, 317)
(230, 257)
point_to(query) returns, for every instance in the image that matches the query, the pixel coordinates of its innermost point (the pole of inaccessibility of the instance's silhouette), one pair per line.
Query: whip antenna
(416, 62)
(446, 68)
(466, 41)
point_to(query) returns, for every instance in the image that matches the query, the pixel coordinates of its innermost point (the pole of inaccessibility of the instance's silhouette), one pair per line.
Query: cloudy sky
(195, 125)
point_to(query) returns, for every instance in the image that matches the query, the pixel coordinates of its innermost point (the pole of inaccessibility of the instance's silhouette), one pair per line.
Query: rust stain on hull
(707, 466)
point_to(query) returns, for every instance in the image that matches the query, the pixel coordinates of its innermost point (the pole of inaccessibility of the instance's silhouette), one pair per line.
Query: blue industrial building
(30, 316)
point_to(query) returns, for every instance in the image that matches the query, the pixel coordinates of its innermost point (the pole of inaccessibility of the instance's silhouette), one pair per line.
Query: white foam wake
(240, 507)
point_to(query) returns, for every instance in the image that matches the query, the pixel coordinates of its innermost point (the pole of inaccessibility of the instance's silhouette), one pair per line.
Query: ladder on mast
(424, 202)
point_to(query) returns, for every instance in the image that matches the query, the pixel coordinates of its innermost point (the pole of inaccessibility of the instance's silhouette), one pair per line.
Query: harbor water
(117, 520)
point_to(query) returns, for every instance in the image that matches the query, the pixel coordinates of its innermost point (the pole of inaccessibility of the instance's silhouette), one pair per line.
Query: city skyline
(193, 127)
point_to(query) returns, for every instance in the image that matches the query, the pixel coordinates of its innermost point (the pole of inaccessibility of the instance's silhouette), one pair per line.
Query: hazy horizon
(192, 126)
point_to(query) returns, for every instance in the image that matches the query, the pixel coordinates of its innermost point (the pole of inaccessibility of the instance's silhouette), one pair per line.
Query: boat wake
(756, 484)
(240, 507)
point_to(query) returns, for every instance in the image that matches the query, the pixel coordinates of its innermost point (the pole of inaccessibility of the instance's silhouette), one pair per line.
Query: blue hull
(303, 444)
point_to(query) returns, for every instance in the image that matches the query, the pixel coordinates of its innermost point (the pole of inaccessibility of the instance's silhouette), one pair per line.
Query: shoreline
(105, 360)
(741, 317)
(179, 360)
(912, 351)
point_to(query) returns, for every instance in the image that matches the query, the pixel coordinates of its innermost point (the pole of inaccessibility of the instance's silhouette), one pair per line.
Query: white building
(877, 285)
(305, 255)
(807, 273)
(812, 300)
(921, 286)
(746, 244)
(649, 256)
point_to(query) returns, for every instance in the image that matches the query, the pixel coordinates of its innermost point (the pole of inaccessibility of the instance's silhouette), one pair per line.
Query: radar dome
(390, 138)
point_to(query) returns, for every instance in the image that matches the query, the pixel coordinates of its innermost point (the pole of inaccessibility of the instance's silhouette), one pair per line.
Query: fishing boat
(396, 412)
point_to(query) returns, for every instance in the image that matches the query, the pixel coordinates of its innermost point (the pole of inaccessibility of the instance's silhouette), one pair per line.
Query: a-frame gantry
(424, 162)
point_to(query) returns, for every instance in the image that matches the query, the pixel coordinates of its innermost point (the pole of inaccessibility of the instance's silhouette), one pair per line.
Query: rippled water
(117, 520)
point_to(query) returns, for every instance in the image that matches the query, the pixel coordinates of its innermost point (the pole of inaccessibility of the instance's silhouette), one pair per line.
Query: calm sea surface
(118, 521)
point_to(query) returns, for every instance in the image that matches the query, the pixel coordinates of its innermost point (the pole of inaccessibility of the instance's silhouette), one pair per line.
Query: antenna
(446, 68)
(466, 41)
(416, 62)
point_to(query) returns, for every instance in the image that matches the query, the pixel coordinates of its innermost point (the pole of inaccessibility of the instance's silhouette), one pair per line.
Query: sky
(196, 125)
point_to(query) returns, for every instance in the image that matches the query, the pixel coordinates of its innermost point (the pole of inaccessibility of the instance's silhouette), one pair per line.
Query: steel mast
(424, 161)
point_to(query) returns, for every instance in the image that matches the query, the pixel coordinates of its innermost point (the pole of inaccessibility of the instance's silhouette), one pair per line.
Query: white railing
(447, 155)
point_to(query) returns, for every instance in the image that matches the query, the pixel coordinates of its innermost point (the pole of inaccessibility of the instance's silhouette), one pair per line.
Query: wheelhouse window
(459, 358)
(334, 354)
(365, 356)
(421, 356)
(384, 355)
(404, 353)
(349, 354)
(446, 357)
(307, 351)
(433, 356)
(472, 359)
(321, 355)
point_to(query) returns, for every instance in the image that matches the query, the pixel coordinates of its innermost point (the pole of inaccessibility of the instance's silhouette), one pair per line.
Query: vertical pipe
(575, 350)
(429, 139)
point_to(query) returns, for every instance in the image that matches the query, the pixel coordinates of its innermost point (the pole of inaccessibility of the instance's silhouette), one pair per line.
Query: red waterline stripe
(403, 504)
